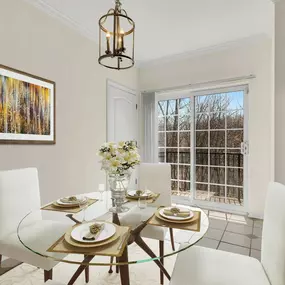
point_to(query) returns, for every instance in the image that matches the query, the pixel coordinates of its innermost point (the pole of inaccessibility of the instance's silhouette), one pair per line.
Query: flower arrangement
(119, 158)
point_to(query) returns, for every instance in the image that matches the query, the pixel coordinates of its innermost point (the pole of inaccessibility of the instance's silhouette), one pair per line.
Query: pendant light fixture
(116, 42)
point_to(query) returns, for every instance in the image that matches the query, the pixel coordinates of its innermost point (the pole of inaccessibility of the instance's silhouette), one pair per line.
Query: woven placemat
(115, 248)
(74, 210)
(193, 225)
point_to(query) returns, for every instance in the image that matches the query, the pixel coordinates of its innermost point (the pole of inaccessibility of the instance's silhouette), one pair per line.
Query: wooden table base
(124, 269)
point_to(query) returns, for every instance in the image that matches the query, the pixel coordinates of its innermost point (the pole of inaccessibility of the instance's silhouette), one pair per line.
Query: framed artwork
(27, 108)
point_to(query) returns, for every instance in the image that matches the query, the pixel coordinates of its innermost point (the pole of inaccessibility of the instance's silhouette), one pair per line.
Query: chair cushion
(134, 217)
(39, 236)
(205, 266)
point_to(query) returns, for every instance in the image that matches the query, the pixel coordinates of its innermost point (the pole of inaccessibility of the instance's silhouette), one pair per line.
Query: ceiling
(169, 27)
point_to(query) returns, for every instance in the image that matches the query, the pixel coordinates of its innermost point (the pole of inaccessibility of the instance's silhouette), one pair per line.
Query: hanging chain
(118, 5)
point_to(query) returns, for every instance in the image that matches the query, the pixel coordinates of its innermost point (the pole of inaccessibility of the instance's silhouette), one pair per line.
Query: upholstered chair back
(157, 178)
(273, 235)
(19, 194)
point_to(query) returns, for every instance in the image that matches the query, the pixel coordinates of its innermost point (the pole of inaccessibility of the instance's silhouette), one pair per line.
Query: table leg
(161, 254)
(80, 269)
(140, 242)
(111, 266)
(86, 272)
(124, 269)
(172, 238)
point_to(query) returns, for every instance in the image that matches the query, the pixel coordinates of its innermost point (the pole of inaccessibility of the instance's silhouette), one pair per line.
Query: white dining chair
(204, 266)
(157, 178)
(19, 194)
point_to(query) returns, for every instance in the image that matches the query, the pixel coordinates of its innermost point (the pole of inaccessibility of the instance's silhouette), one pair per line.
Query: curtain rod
(200, 84)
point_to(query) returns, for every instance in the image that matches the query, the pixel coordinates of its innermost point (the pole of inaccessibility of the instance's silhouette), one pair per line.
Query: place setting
(70, 204)
(146, 195)
(95, 238)
(181, 217)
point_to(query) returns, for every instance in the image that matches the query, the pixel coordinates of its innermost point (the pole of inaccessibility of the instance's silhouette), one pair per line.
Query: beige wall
(36, 43)
(248, 57)
(280, 92)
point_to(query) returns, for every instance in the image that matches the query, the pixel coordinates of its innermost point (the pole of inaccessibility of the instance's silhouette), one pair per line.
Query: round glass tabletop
(46, 232)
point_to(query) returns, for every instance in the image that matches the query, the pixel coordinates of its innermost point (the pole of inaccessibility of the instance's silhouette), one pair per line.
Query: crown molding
(204, 51)
(68, 21)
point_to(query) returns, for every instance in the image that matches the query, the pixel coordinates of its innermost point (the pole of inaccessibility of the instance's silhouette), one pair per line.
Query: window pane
(184, 122)
(174, 185)
(235, 120)
(174, 171)
(161, 123)
(217, 175)
(217, 157)
(184, 139)
(161, 139)
(161, 155)
(202, 156)
(184, 172)
(184, 106)
(234, 138)
(172, 123)
(234, 158)
(184, 155)
(202, 191)
(217, 191)
(201, 139)
(171, 107)
(184, 186)
(235, 100)
(202, 122)
(201, 104)
(161, 108)
(235, 193)
(235, 176)
(217, 121)
(171, 155)
(201, 174)
(171, 139)
(217, 139)
(218, 102)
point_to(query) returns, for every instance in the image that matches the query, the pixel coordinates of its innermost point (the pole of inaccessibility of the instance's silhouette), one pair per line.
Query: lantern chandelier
(116, 42)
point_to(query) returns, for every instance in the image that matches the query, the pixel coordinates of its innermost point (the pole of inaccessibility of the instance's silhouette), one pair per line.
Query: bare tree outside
(218, 128)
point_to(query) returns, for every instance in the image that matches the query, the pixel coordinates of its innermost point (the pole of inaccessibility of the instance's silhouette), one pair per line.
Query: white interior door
(122, 118)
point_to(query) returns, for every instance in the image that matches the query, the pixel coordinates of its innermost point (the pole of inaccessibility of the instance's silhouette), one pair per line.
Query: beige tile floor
(229, 232)
(234, 233)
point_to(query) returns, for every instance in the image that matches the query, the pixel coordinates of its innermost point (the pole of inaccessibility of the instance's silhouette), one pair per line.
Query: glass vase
(119, 184)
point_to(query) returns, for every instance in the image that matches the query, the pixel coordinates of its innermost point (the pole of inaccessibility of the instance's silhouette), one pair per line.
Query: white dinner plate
(81, 231)
(175, 218)
(133, 193)
(60, 202)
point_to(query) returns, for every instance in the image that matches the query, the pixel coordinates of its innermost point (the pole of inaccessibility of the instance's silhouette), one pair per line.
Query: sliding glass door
(203, 136)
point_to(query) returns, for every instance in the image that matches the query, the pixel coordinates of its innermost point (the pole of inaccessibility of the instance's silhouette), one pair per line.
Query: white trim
(122, 87)
(203, 51)
(68, 21)
(214, 84)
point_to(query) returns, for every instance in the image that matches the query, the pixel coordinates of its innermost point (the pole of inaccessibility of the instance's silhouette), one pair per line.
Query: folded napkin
(94, 231)
(70, 199)
(140, 193)
(176, 212)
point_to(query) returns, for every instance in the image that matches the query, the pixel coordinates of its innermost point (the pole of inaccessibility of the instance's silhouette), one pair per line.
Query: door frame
(244, 86)
(111, 83)
(124, 88)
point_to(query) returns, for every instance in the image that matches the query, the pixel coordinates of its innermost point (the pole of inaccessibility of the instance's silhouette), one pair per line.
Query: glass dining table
(54, 224)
